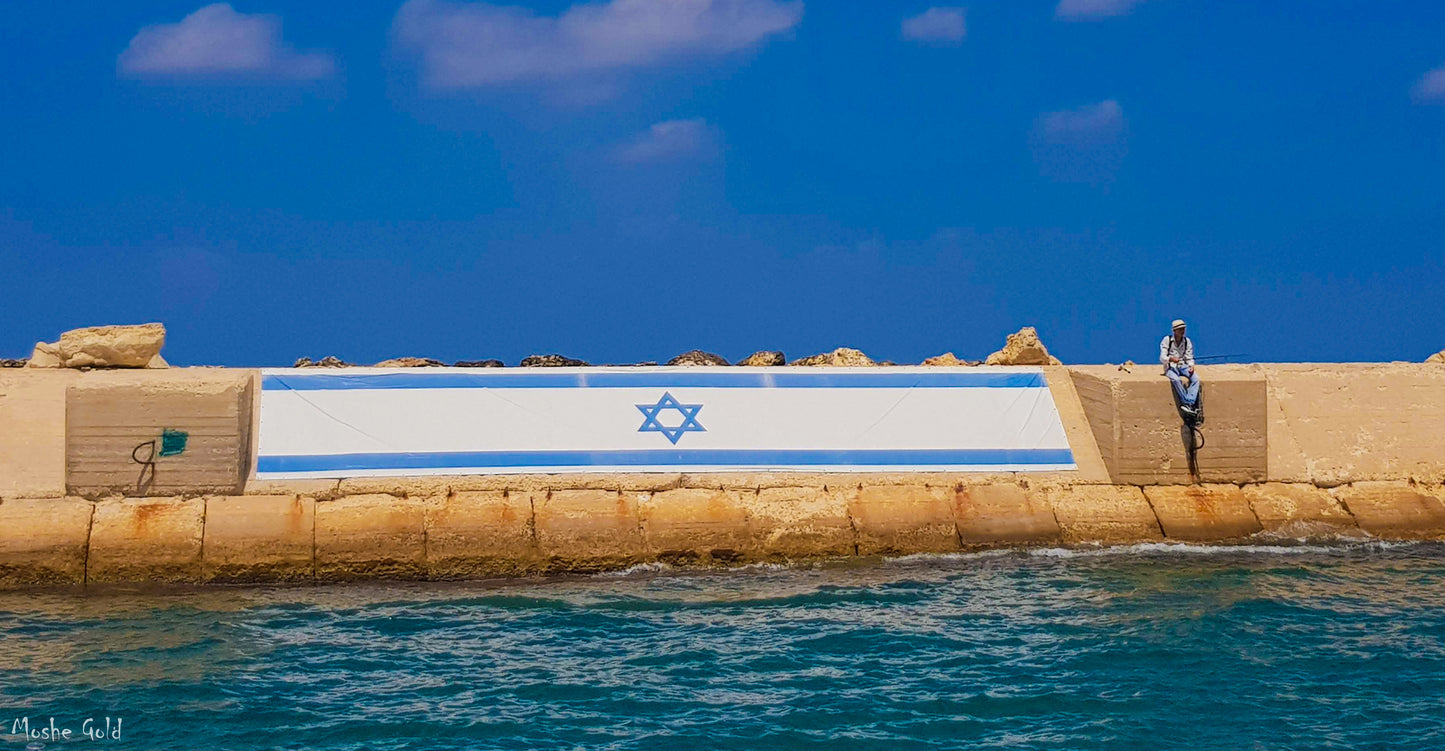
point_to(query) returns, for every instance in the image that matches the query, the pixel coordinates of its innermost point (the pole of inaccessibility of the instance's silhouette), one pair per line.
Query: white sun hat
(1178, 323)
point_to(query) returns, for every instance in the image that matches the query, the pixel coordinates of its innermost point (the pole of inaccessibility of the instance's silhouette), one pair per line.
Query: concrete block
(151, 540)
(370, 537)
(1103, 514)
(32, 432)
(110, 416)
(480, 534)
(259, 538)
(589, 530)
(1394, 510)
(314, 488)
(1301, 511)
(439, 485)
(692, 524)
(903, 519)
(1002, 516)
(1067, 400)
(801, 522)
(43, 541)
(1203, 513)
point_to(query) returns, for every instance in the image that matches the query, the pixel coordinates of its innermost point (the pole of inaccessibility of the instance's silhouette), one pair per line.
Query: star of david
(689, 418)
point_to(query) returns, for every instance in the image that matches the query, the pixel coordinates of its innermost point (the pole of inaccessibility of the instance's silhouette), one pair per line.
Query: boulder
(103, 347)
(840, 357)
(551, 361)
(698, 357)
(1437, 357)
(13, 363)
(763, 358)
(410, 362)
(479, 364)
(1023, 348)
(329, 361)
(947, 360)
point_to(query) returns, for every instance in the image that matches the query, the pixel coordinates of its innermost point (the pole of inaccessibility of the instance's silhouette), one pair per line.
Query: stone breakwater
(1292, 452)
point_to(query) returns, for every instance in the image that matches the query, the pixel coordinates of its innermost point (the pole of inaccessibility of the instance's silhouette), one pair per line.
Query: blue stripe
(665, 458)
(644, 379)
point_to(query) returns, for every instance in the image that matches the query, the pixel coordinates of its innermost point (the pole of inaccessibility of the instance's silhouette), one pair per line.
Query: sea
(1290, 646)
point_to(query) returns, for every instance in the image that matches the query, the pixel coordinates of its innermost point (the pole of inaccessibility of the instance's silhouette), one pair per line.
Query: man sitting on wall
(1176, 354)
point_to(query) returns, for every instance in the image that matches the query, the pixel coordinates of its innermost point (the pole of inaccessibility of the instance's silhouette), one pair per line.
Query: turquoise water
(1149, 647)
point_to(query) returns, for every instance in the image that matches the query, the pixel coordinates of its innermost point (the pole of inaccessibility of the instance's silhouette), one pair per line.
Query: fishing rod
(1219, 357)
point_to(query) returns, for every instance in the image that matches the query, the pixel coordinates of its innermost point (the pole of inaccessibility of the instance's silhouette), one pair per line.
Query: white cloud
(1431, 87)
(935, 25)
(1090, 124)
(478, 44)
(1087, 9)
(670, 139)
(216, 41)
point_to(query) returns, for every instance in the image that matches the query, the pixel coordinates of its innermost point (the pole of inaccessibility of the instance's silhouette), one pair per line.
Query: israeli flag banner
(426, 421)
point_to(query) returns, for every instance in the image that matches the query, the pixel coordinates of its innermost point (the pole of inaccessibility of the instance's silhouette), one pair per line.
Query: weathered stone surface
(440, 485)
(764, 359)
(329, 361)
(411, 362)
(1022, 348)
(1003, 515)
(948, 360)
(259, 538)
(32, 432)
(690, 525)
(589, 530)
(479, 364)
(1088, 455)
(901, 519)
(698, 357)
(841, 357)
(319, 489)
(551, 361)
(146, 540)
(801, 522)
(370, 537)
(1103, 514)
(102, 347)
(1437, 357)
(1203, 513)
(1302, 511)
(479, 534)
(1394, 510)
(43, 541)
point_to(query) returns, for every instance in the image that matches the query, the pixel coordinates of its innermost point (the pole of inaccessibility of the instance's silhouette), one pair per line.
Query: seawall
(1291, 452)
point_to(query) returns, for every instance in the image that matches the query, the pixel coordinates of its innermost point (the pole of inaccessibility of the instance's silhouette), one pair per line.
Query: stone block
(370, 537)
(1394, 510)
(259, 538)
(1203, 513)
(32, 432)
(904, 519)
(998, 515)
(318, 489)
(589, 530)
(1300, 511)
(1102, 514)
(800, 522)
(43, 541)
(480, 534)
(150, 540)
(690, 525)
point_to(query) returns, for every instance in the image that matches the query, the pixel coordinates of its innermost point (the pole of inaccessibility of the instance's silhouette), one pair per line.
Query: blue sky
(624, 181)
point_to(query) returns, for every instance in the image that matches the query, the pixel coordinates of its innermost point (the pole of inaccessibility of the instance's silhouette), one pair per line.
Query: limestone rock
(840, 357)
(102, 347)
(698, 357)
(13, 363)
(763, 358)
(948, 360)
(1023, 348)
(329, 361)
(1437, 357)
(552, 361)
(479, 364)
(411, 362)
(157, 363)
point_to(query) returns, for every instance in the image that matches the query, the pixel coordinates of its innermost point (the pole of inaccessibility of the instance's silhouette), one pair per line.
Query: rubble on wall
(1023, 348)
(329, 361)
(410, 362)
(840, 357)
(698, 357)
(479, 364)
(948, 360)
(104, 347)
(552, 361)
(1437, 357)
(763, 358)
(13, 363)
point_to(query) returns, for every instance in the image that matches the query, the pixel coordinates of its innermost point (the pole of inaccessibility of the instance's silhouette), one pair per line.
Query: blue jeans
(1186, 384)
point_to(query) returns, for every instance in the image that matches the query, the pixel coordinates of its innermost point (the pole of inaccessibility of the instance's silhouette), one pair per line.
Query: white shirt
(1183, 350)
